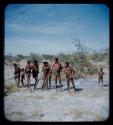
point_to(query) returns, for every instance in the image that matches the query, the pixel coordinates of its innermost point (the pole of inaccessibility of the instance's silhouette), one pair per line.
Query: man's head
(35, 62)
(101, 69)
(67, 63)
(44, 63)
(47, 63)
(18, 68)
(14, 64)
(28, 62)
(22, 69)
(56, 60)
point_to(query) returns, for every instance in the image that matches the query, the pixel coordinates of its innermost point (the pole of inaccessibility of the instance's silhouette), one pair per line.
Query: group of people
(48, 71)
(19, 74)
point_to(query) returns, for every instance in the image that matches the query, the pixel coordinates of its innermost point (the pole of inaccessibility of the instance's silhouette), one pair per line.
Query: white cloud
(43, 29)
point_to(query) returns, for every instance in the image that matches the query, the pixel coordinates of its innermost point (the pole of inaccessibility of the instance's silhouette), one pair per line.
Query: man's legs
(36, 82)
(56, 83)
(68, 84)
(102, 82)
(44, 80)
(72, 81)
(60, 83)
(50, 81)
(28, 82)
(98, 81)
(18, 79)
(47, 83)
(43, 84)
(22, 82)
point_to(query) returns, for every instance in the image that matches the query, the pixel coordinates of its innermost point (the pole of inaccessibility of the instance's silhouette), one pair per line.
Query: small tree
(19, 57)
(48, 57)
(34, 56)
(82, 63)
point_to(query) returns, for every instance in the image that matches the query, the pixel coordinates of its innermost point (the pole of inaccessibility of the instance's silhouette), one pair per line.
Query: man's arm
(73, 72)
(64, 70)
(51, 69)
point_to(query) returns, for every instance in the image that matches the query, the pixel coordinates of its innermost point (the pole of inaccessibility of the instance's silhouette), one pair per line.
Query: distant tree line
(81, 60)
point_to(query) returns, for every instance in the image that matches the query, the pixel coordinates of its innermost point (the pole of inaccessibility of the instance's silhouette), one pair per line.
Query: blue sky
(50, 28)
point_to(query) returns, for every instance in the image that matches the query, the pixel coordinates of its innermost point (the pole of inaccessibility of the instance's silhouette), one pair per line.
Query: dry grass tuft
(11, 88)
(98, 117)
(19, 115)
(35, 113)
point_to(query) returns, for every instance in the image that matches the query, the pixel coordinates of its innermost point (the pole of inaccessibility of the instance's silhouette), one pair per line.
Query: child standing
(100, 76)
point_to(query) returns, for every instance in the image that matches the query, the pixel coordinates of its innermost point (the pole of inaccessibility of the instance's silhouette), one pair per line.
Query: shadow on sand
(77, 89)
(105, 85)
(52, 87)
(65, 89)
(58, 86)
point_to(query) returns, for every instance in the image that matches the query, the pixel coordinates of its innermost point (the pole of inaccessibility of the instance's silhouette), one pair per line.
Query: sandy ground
(90, 103)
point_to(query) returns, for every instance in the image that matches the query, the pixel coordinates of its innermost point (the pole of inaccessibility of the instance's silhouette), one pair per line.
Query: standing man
(49, 75)
(22, 77)
(35, 72)
(28, 74)
(56, 69)
(46, 72)
(69, 71)
(16, 74)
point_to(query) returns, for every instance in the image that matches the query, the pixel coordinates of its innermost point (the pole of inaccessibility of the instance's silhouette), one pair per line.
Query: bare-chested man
(28, 73)
(49, 75)
(56, 69)
(69, 71)
(22, 77)
(46, 73)
(16, 74)
(35, 72)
